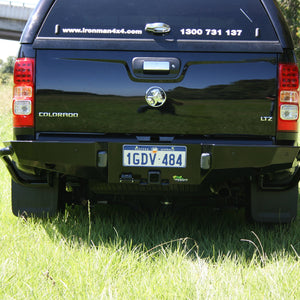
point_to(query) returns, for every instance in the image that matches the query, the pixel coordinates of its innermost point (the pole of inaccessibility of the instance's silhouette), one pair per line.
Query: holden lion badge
(155, 96)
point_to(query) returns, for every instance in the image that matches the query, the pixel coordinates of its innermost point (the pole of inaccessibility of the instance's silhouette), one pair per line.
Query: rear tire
(273, 206)
(36, 201)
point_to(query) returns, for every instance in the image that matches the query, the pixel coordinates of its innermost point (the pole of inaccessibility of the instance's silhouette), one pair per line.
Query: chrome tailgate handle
(153, 67)
(158, 27)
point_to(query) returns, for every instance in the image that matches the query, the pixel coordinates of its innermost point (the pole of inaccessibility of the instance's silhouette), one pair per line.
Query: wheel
(273, 206)
(36, 201)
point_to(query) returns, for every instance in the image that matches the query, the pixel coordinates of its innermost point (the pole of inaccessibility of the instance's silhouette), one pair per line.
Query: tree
(8, 66)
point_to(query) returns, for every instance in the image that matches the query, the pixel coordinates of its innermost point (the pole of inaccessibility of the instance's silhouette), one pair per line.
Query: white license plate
(154, 156)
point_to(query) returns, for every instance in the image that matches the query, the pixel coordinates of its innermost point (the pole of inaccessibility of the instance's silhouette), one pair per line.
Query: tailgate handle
(147, 67)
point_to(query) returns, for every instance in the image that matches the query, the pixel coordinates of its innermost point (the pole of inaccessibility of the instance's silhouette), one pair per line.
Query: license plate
(154, 156)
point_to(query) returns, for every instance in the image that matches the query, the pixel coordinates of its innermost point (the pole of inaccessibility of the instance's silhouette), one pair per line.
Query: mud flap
(35, 201)
(273, 206)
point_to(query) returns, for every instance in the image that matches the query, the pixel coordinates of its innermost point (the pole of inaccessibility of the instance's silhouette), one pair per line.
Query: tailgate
(203, 93)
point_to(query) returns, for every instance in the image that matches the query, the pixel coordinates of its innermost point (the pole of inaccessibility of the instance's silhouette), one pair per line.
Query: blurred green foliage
(291, 11)
(6, 69)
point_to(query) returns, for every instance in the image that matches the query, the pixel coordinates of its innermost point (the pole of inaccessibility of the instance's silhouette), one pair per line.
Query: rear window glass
(187, 20)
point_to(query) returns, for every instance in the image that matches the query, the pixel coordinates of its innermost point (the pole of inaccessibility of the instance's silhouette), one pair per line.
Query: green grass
(116, 253)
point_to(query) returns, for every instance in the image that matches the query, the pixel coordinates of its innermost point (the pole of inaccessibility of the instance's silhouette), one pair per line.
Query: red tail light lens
(288, 98)
(23, 93)
(288, 76)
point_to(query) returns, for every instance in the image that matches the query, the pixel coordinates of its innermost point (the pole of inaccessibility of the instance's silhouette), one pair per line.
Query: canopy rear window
(238, 20)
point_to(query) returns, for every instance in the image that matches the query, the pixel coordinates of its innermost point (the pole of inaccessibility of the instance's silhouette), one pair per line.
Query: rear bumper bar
(103, 160)
(5, 154)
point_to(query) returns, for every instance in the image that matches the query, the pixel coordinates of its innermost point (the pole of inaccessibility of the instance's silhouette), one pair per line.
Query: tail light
(23, 93)
(288, 98)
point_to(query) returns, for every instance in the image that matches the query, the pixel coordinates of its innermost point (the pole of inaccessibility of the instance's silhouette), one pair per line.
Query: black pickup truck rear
(172, 102)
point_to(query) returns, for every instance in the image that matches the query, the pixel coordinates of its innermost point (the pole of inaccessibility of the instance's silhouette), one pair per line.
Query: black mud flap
(277, 206)
(35, 201)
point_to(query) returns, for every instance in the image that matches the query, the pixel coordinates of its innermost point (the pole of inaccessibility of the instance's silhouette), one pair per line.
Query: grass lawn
(116, 253)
